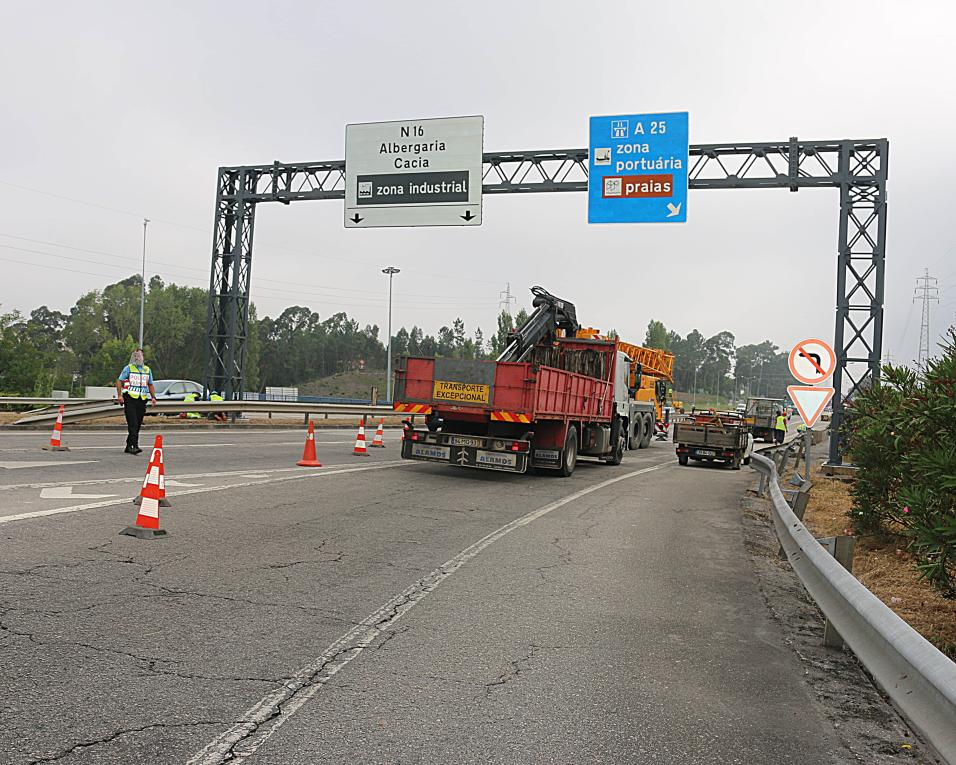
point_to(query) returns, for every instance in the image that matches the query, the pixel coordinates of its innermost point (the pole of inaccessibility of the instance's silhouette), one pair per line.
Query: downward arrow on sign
(66, 492)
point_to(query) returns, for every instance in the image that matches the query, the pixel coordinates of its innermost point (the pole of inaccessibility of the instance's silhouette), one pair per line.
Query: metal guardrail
(41, 401)
(917, 676)
(108, 408)
(45, 401)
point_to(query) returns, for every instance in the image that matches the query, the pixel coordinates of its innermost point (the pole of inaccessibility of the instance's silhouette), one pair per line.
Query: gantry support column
(229, 285)
(861, 260)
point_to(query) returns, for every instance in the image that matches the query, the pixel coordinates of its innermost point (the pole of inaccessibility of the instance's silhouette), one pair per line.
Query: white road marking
(138, 479)
(22, 465)
(203, 490)
(248, 444)
(66, 492)
(182, 433)
(283, 702)
(181, 485)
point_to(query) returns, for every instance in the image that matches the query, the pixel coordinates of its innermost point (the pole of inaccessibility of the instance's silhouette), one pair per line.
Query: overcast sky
(131, 107)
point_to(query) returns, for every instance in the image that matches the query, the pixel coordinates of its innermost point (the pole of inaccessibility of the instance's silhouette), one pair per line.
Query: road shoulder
(869, 727)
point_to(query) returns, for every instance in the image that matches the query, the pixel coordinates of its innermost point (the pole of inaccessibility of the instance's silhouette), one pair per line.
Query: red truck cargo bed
(481, 387)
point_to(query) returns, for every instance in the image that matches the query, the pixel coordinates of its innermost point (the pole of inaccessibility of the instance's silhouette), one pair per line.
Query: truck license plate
(547, 455)
(706, 452)
(492, 458)
(432, 452)
(464, 441)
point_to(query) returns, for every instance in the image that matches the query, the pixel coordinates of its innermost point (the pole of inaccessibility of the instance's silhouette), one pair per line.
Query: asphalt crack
(328, 557)
(518, 666)
(150, 664)
(564, 557)
(170, 592)
(110, 737)
(390, 635)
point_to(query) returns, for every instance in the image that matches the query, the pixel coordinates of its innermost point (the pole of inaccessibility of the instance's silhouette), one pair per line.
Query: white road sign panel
(810, 401)
(812, 361)
(414, 172)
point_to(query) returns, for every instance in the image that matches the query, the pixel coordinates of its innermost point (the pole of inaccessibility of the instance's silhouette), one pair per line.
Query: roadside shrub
(902, 435)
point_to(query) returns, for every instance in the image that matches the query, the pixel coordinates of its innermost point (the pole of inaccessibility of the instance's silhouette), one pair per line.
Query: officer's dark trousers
(135, 410)
(779, 435)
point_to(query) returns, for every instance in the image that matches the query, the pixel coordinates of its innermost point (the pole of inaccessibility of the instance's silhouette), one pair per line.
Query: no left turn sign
(812, 361)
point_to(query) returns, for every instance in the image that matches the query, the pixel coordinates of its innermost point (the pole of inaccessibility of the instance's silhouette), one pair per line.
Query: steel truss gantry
(858, 168)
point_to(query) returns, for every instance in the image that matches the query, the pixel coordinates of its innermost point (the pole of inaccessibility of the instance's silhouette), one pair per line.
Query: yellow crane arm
(654, 361)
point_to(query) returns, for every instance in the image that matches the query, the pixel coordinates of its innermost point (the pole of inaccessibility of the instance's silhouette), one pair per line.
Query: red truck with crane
(549, 398)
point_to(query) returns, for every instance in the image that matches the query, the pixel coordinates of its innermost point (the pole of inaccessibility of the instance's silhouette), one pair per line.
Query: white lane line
(167, 445)
(24, 465)
(244, 738)
(202, 490)
(43, 436)
(66, 492)
(153, 426)
(139, 478)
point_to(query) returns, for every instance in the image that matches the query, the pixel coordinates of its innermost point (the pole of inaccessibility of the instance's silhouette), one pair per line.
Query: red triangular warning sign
(810, 401)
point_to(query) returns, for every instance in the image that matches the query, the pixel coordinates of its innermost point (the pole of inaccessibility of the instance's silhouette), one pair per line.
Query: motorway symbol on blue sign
(637, 168)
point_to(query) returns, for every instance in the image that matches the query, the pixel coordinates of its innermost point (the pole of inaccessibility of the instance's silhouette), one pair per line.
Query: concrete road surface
(378, 611)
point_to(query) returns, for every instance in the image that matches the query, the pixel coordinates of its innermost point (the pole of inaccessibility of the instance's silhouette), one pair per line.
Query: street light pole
(391, 271)
(142, 287)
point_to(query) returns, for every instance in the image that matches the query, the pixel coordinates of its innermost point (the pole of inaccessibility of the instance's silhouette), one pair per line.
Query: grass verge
(883, 566)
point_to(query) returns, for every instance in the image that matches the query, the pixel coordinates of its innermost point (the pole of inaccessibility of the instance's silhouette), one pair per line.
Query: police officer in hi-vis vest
(137, 379)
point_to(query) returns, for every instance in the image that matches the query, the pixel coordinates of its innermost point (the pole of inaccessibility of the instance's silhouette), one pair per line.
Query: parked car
(176, 390)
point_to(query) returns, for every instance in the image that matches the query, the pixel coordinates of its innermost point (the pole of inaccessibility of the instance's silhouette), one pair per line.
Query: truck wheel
(746, 460)
(735, 463)
(682, 459)
(648, 431)
(569, 455)
(635, 431)
(618, 454)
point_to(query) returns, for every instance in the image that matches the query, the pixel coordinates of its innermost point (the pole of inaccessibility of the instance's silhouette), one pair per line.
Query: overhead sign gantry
(858, 169)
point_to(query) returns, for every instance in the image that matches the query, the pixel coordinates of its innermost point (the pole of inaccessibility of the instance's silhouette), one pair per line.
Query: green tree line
(91, 344)
(718, 366)
(49, 349)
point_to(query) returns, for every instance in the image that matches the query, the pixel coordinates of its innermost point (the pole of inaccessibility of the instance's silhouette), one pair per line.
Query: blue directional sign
(637, 168)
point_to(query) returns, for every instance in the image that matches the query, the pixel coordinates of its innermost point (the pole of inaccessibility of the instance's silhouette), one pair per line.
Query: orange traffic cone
(55, 445)
(360, 449)
(156, 460)
(147, 520)
(309, 457)
(379, 439)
